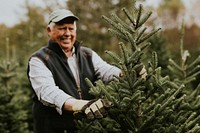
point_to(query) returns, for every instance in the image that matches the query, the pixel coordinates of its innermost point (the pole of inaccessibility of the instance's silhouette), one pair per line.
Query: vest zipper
(79, 92)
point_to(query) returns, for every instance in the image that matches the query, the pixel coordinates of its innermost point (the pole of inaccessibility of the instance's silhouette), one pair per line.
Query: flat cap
(60, 14)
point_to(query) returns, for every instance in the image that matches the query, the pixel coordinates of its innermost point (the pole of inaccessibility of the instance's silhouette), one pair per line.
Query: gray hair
(52, 24)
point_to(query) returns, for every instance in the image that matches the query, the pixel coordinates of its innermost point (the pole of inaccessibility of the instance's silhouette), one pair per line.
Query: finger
(95, 110)
(89, 114)
(106, 103)
(143, 71)
(100, 106)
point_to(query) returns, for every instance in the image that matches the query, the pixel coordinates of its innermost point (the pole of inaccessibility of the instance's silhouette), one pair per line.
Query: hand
(143, 73)
(93, 109)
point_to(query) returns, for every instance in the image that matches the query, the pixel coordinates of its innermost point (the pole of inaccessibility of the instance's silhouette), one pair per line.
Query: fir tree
(12, 113)
(155, 104)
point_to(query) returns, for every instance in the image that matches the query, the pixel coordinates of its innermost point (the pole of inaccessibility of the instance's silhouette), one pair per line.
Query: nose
(67, 32)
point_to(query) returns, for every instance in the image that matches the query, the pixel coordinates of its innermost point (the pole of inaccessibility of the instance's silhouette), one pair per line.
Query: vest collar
(55, 47)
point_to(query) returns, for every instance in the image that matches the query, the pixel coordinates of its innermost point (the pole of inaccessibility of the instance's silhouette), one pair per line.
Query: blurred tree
(170, 12)
(29, 35)
(3, 35)
(13, 112)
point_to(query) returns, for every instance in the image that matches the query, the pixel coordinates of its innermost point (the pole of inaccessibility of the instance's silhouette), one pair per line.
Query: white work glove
(93, 109)
(143, 73)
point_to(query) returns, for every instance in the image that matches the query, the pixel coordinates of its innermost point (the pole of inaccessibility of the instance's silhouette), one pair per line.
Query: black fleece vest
(56, 61)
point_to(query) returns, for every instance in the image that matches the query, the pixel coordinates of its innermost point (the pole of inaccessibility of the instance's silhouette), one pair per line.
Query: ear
(49, 30)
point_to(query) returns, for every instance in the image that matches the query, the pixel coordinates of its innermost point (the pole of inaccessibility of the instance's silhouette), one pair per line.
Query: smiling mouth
(66, 40)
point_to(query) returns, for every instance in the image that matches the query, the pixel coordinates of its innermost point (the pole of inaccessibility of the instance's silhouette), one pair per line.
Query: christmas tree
(12, 113)
(151, 104)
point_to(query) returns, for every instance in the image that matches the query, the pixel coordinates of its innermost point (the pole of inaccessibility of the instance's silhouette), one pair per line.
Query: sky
(12, 11)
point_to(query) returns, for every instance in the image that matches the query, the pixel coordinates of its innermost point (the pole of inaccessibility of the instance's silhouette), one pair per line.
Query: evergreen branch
(189, 80)
(114, 56)
(158, 76)
(141, 33)
(179, 117)
(175, 65)
(147, 36)
(178, 102)
(154, 61)
(190, 72)
(128, 14)
(138, 16)
(160, 99)
(132, 42)
(131, 77)
(193, 122)
(147, 121)
(125, 85)
(176, 73)
(195, 93)
(171, 98)
(115, 25)
(148, 110)
(96, 91)
(124, 25)
(192, 76)
(109, 21)
(125, 91)
(194, 63)
(144, 46)
(106, 93)
(195, 129)
(144, 19)
(182, 32)
(118, 34)
(196, 106)
(125, 52)
(134, 57)
(130, 123)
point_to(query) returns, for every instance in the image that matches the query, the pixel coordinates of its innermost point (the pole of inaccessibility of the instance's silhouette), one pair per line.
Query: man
(57, 75)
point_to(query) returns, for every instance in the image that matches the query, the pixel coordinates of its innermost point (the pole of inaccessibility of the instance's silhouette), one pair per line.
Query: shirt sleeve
(103, 69)
(44, 85)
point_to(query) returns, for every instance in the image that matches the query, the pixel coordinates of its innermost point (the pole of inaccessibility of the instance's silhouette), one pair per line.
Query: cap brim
(57, 19)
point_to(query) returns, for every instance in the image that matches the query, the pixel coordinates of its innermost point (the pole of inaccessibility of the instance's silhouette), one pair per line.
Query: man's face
(63, 34)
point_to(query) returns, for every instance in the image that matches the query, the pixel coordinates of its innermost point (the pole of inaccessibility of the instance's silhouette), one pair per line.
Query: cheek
(56, 35)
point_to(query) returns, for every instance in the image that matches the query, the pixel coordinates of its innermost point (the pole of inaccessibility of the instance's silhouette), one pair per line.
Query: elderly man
(57, 75)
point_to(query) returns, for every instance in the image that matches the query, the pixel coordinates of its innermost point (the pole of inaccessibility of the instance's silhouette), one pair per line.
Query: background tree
(13, 112)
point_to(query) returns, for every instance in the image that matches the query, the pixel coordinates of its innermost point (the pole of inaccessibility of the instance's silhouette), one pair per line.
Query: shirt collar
(73, 51)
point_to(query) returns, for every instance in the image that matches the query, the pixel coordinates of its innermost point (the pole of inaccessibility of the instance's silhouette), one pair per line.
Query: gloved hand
(93, 109)
(143, 73)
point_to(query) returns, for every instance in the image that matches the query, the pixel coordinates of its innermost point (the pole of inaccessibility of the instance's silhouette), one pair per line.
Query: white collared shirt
(44, 85)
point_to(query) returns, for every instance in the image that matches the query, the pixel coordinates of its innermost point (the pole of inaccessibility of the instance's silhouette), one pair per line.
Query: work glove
(93, 109)
(143, 73)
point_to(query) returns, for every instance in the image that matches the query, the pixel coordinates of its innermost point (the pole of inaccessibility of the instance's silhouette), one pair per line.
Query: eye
(62, 28)
(70, 28)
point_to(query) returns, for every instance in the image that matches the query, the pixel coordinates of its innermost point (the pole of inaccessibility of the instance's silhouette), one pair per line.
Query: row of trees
(19, 41)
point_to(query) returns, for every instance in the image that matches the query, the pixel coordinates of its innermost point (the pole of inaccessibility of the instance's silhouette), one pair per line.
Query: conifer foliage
(13, 116)
(151, 104)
